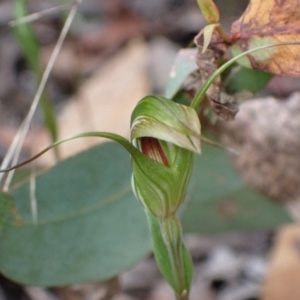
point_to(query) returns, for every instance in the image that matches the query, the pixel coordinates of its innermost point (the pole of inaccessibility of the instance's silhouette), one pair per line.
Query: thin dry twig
(14, 150)
(35, 16)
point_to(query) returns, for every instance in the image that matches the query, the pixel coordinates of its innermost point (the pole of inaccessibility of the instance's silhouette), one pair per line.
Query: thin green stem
(201, 93)
(117, 138)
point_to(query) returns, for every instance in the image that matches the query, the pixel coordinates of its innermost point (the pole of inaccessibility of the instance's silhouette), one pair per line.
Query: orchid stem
(172, 235)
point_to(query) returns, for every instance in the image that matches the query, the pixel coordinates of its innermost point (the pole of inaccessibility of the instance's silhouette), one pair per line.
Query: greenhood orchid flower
(165, 132)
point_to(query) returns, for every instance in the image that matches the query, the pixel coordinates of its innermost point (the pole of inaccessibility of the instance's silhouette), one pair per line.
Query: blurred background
(116, 52)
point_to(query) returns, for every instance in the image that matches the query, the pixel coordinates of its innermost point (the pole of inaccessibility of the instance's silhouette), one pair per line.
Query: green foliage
(90, 227)
(183, 66)
(26, 37)
(247, 79)
(219, 201)
(6, 210)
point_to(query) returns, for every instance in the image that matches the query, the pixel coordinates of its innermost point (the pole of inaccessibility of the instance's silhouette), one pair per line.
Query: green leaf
(244, 60)
(26, 37)
(247, 79)
(184, 65)
(219, 201)
(181, 98)
(90, 227)
(6, 210)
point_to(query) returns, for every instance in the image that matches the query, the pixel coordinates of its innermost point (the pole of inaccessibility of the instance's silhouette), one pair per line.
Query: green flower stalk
(181, 264)
(168, 133)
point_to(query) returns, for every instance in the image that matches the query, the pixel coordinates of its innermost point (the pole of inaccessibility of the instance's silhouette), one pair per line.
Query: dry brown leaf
(270, 22)
(282, 282)
(207, 63)
(104, 102)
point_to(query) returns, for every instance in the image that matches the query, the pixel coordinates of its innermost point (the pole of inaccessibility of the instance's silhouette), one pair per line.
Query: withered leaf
(207, 63)
(226, 111)
(270, 22)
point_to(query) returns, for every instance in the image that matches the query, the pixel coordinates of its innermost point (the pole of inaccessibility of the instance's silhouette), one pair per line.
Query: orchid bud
(209, 11)
(165, 133)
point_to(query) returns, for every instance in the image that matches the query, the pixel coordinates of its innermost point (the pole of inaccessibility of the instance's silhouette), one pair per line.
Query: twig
(13, 153)
(37, 15)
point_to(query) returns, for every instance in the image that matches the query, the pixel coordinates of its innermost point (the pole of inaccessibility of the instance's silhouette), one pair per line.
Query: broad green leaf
(219, 201)
(184, 65)
(90, 227)
(247, 79)
(7, 213)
